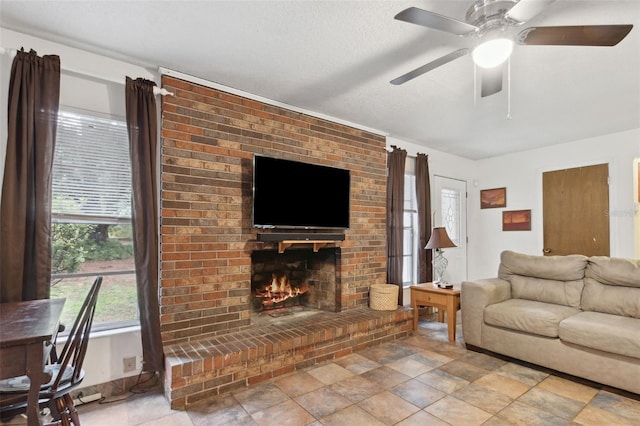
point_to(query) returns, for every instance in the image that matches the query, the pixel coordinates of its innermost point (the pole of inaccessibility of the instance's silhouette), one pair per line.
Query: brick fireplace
(208, 141)
(209, 138)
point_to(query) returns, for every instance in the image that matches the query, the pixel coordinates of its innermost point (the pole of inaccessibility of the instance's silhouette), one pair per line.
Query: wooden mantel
(317, 244)
(286, 240)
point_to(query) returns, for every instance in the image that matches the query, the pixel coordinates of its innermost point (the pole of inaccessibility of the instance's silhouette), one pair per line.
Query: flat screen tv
(293, 194)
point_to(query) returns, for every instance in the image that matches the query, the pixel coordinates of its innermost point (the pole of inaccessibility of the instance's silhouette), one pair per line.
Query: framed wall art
(516, 220)
(493, 198)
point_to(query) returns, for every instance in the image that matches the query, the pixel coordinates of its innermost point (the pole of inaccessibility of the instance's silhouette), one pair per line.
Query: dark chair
(53, 355)
(66, 372)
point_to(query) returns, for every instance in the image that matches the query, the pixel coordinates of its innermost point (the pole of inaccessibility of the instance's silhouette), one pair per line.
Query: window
(91, 217)
(411, 234)
(450, 204)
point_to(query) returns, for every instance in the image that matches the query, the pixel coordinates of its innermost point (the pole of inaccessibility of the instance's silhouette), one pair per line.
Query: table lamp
(439, 240)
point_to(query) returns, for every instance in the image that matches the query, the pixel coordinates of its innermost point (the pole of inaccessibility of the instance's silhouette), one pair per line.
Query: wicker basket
(383, 297)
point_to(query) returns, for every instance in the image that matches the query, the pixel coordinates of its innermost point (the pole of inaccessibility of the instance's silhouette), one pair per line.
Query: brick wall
(209, 138)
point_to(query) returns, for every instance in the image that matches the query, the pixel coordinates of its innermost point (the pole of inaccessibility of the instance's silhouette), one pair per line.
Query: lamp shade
(439, 239)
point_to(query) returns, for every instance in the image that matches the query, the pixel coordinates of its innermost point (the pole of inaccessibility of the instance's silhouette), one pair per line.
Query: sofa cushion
(528, 315)
(611, 299)
(550, 279)
(559, 268)
(566, 293)
(605, 332)
(614, 271)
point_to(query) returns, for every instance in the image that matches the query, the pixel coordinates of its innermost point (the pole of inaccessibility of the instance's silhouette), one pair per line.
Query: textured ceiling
(337, 58)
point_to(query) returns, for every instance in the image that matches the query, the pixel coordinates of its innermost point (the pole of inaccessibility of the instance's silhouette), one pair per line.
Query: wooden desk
(27, 330)
(446, 300)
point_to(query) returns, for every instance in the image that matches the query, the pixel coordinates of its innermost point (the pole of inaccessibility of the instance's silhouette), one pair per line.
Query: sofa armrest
(474, 297)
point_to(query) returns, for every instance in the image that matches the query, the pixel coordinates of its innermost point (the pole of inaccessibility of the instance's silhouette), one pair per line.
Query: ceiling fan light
(492, 53)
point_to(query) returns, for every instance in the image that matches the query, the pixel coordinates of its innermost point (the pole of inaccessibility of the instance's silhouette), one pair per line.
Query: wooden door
(575, 211)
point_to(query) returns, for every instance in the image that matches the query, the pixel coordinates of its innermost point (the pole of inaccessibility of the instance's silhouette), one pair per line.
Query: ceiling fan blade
(490, 81)
(579, 35)
(428, 67)
(525, 10)
(413, 15)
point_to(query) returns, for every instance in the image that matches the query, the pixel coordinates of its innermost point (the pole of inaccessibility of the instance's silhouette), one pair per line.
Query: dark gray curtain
(142, 124)
(423, 198)
(25, 214)
(395, 212)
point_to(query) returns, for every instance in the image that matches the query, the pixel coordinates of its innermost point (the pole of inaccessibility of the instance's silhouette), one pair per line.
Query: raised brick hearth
(215, 365)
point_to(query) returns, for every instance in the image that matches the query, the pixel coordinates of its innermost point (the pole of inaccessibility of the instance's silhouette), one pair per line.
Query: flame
(279, 290)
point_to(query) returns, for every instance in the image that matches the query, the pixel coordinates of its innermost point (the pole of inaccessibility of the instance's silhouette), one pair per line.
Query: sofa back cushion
(550, 279)
(612, 286)
(614, 271)
(566, 293)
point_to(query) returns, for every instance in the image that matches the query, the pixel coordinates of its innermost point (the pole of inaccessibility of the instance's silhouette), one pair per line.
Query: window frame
(80, 218)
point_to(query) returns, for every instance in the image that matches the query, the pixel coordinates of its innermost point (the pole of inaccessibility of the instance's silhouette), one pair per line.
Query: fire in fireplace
(279, 293)
(295, 278)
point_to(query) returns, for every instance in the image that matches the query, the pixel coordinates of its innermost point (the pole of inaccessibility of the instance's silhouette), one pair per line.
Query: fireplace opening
(295, 279)
(279, 293)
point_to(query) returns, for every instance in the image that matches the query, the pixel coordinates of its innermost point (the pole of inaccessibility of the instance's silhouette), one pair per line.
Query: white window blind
(91, 170)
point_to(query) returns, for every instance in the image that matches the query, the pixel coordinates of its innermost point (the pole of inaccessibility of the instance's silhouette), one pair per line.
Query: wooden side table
(446, 300)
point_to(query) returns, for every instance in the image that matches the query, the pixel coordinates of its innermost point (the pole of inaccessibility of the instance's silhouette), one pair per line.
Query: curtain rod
(156, 90)
(162, 92)
(410, 155)
(12, 52)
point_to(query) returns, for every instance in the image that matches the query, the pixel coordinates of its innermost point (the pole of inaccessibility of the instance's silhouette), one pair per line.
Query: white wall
(96, 83)
(104, 359)
(521, 174)
(5, 69)
(636, 211)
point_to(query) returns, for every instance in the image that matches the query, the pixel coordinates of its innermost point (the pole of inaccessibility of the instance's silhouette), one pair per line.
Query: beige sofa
(572, 314)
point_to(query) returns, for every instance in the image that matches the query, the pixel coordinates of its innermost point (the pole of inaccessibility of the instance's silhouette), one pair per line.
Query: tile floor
(421, 380)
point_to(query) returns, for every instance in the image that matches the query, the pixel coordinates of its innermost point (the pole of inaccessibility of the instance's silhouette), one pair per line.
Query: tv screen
(292, 194)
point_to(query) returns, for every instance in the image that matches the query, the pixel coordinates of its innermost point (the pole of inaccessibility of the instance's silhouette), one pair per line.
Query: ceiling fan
(488, 21)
